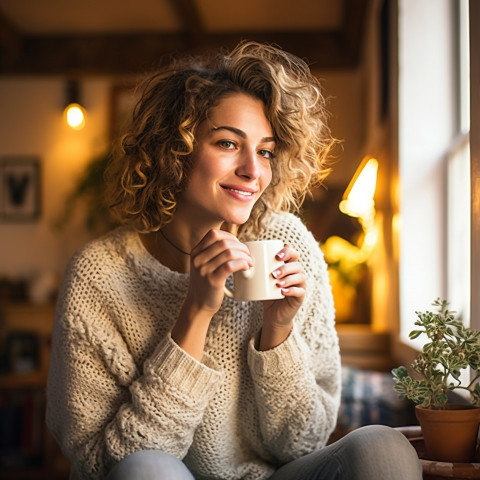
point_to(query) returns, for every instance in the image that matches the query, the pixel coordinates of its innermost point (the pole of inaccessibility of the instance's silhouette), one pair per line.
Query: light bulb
(75, 116)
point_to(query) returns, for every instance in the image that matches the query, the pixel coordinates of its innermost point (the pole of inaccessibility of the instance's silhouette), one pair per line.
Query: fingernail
(280, 283)
(275, 273)
(280, 255)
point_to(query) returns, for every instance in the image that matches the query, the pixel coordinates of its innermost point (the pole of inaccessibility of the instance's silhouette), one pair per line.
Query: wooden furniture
(362, 347)
(27, 449)
(434, 469)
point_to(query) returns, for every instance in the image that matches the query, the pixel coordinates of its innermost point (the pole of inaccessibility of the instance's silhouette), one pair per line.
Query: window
(434, 157)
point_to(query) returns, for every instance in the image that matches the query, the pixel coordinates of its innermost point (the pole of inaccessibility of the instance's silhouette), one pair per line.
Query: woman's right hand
(217, 255)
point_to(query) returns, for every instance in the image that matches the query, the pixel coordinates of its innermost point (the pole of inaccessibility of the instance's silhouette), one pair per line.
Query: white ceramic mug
(257, 283)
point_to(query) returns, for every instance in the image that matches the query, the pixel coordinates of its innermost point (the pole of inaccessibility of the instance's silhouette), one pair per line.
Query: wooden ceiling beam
(130, 54)
(10, 39)
(353, 25)
(189, 16)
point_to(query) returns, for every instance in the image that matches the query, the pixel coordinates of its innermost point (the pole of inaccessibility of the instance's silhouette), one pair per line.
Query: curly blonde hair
(150, 170)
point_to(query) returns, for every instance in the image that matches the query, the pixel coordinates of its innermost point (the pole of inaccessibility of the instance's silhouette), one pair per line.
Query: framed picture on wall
(19, 189)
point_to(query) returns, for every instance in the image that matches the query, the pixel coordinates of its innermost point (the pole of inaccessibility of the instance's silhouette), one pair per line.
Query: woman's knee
(150, 465)
(380, 439)
(378, 449)
(377, 435)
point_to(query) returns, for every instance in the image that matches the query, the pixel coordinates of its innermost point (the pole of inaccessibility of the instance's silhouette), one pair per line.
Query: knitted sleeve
(101, 406)
(297, 384)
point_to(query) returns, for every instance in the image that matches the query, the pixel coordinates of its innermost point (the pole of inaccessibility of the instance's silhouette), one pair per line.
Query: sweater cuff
(182, 371)
(282, 359)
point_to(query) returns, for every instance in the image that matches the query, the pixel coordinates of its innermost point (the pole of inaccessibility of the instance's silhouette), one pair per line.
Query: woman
(155, 372)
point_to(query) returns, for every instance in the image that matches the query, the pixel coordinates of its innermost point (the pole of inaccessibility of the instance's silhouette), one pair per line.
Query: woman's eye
(228, 144)
(267, 154)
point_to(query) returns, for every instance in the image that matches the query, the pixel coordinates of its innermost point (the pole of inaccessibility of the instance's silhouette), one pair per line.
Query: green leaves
(475, 394)
(415, 333)
(400, 373)
(451, 348)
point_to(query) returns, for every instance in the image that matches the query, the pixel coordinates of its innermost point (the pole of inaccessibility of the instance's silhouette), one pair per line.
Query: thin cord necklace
(172, 244)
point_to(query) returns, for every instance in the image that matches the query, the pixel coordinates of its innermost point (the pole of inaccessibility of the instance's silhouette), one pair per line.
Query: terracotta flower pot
(450, 435)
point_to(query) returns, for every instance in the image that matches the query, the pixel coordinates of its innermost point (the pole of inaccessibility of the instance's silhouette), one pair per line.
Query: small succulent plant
(451, 348)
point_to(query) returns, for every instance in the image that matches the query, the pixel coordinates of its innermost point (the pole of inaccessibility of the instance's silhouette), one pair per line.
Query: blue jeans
(368, 453)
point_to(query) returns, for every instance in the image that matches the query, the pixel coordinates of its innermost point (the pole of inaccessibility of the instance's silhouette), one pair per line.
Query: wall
(31, 123)
(346, 97)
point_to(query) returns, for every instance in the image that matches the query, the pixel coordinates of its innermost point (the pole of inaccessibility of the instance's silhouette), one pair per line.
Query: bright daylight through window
(434, 160)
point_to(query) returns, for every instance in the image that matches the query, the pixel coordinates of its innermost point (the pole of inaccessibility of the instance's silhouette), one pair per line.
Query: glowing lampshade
(358, 197)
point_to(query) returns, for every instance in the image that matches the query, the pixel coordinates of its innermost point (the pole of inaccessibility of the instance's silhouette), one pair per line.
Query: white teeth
(246, 194)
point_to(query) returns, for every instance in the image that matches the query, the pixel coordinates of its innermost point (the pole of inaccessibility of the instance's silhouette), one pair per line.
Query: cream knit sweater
(118, 383)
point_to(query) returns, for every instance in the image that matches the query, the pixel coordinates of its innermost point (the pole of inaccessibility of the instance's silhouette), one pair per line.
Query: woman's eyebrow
(239, 132)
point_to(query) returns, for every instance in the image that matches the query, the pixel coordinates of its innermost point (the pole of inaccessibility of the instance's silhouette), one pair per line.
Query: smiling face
(231, 163)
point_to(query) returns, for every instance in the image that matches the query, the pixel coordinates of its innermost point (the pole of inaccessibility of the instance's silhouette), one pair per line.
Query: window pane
(459, 230)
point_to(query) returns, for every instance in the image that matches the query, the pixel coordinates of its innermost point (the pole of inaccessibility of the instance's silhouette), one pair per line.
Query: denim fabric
(368, 453)
(150, 465)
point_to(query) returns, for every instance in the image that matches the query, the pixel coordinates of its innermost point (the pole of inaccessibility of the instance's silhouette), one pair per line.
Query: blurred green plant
(451, 348)
(89, 189)
(347, 270)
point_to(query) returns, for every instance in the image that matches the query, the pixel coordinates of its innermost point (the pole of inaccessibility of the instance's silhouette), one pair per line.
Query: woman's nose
(249, 165)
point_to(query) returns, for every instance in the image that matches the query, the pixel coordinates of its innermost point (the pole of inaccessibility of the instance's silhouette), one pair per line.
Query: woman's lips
(241, 193)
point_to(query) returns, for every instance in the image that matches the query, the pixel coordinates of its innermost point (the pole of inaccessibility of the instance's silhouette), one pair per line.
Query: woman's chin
(237, 219)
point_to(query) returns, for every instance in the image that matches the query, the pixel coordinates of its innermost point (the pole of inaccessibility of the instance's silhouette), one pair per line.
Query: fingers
(292, 284)
(221, 253)
(287, 254)
(296, 279)
(289, 273)
(216, 241)
(289, 276)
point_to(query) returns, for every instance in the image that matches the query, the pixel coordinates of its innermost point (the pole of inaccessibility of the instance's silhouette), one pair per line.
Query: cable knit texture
(118, 383)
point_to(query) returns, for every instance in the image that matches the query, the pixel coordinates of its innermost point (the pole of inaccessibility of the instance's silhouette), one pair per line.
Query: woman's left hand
(278, 314)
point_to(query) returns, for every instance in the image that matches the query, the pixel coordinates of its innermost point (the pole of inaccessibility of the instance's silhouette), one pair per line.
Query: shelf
(27, 317)
(23, 381)
(28, 448)
(32, 474)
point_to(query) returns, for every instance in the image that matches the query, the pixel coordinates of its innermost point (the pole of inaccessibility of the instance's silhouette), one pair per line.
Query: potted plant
(451, 348)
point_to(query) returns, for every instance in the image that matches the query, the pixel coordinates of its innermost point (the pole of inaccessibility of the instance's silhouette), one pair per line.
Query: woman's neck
(165, 253)
(173, 244)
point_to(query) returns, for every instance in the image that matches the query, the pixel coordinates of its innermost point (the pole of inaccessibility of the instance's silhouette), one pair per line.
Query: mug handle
(245, 274)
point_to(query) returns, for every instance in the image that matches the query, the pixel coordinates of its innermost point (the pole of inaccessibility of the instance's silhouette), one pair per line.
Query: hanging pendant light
(74, 113)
